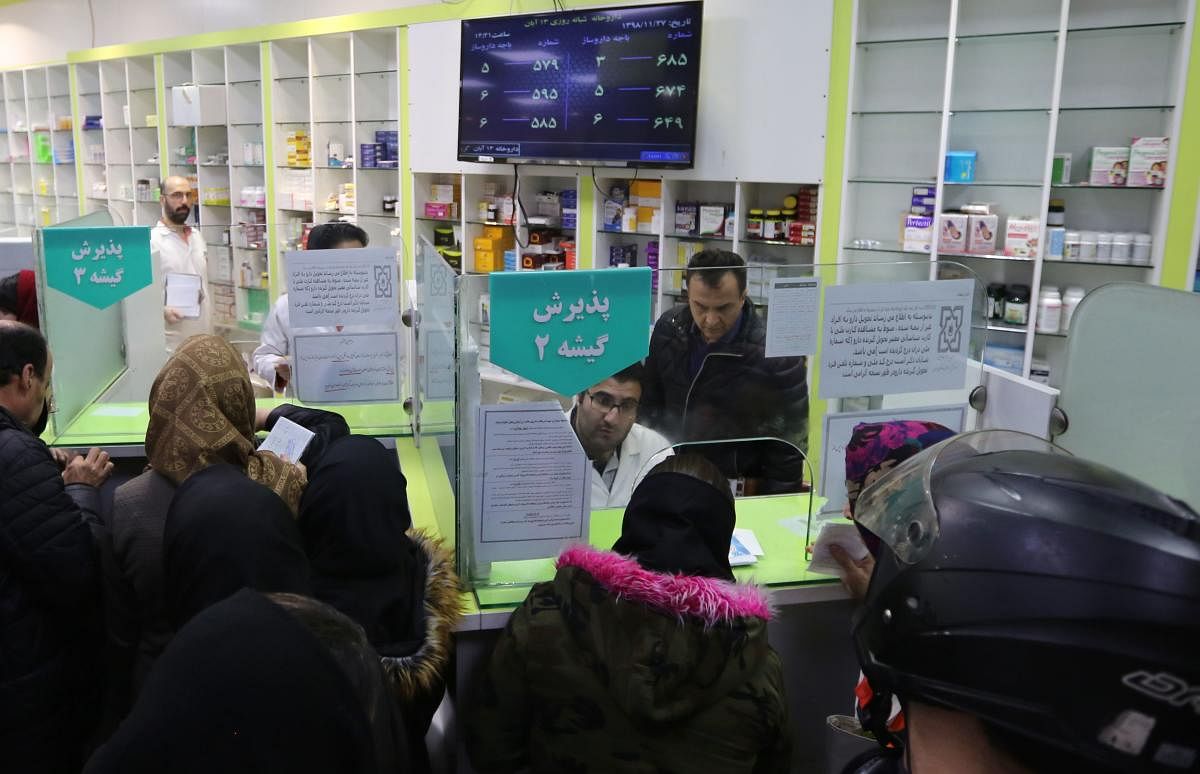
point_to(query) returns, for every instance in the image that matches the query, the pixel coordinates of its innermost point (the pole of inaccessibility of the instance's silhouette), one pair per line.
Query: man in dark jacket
(49, 577)
(708, 379)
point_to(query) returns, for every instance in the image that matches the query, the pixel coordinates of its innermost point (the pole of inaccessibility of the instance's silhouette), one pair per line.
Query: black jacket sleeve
(44, 539)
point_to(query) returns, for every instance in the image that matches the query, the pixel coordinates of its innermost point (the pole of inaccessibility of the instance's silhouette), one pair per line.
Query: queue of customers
(1021, 609)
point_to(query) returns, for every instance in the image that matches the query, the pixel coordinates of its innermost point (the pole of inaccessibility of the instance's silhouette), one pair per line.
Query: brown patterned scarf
(202, 413)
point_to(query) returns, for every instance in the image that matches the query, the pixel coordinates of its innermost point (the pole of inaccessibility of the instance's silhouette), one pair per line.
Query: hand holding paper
(842, 534)
(287, 440)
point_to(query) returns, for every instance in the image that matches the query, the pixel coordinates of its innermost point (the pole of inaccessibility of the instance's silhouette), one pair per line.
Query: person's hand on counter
(93, 470)
(63, 457)
(856, 576)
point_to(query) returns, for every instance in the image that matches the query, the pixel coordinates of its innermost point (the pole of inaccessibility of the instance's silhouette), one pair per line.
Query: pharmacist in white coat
(271, 360)
(621, 451)
(178, 249)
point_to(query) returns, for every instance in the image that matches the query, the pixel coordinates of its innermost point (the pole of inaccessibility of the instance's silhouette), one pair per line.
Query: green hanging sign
(98, 266)
(568, 330)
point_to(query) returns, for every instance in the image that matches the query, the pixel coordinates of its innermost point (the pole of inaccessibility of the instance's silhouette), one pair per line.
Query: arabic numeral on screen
(543, 123)
(668, 122)
(546, 94)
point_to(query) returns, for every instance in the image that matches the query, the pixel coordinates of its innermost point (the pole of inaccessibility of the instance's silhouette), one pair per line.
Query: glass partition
(759, 389)
(108, 373)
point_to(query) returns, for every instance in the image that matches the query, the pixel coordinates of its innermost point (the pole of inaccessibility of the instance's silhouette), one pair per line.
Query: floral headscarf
(202, 413)
(876, 448)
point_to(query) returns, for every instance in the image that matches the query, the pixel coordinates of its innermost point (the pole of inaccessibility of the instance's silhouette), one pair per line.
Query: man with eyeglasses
(604, 418)
(179, 249)
(49, 575)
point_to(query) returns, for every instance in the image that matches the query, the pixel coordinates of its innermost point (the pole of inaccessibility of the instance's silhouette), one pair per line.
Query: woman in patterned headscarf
(202, 412)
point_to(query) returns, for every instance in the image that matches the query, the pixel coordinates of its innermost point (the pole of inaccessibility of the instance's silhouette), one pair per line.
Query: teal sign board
(568, 330)
(98, 266)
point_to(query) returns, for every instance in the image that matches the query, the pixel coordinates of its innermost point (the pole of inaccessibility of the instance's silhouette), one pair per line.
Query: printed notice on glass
(328, 288)
(347, 368)
(895, 337)
(531, 481)
(794, 306)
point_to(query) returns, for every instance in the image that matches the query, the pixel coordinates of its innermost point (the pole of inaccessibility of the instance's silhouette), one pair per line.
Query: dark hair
(21, 345)
(713, 264)
(696, 466)
(8, 293)
(634, 372)
(327, 236)
(346, 642)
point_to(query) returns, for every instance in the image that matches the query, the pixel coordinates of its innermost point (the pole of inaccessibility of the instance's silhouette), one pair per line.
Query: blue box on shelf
(960, 166)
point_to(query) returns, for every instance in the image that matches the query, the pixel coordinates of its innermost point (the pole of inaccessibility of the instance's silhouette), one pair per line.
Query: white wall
(45, 30)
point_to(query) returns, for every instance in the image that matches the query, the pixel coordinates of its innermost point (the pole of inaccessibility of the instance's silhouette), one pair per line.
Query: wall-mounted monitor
(607, 86)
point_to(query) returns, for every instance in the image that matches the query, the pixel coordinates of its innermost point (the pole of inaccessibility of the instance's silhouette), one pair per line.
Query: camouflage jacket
(613, 668)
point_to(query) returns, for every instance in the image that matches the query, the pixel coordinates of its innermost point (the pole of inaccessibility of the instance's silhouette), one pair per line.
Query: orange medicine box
(485, 260)
(498, 232)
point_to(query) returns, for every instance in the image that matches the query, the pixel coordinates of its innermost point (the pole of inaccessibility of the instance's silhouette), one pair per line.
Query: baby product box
(981, 233)
(1110, 166)
(952, 232)
(1021, 236)
(1148, 161)
(917, 233)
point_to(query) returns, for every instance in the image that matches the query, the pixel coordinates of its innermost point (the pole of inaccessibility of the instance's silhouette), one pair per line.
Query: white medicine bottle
(1049, 310)
(1071, 300)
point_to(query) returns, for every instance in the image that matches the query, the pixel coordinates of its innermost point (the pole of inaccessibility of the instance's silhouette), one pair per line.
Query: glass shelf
(330, 122)
(245, 123)
(1060, 262)
(699, 238)
(957, 111)
(245, 81)
(436, 220)
(779, 242)
(1005, 328)
(894, 41)
(893, 181)
(291, 78)
(987, 257)
(256, 207)
(886, 247)
(997, 184)
(1049, 34)
(388, 215)
(332, 75)
(326, 166)
(627, 233)
(1064, 109)
(247, 166)
(1087, 186)
(1051, 335)
(491, 223)
(377, 72)
(896, 112)
(1119, 27)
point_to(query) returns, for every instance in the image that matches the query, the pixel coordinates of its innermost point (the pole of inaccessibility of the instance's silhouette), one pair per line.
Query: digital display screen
(615, 86)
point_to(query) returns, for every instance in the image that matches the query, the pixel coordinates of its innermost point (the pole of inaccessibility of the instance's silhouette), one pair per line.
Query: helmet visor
(898, 508)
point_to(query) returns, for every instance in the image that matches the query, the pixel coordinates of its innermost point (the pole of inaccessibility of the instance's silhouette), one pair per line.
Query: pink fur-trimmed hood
(708, 599)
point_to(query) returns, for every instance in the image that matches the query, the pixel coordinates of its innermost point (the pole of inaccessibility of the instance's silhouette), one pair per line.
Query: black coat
(49, 607)
(737, 393)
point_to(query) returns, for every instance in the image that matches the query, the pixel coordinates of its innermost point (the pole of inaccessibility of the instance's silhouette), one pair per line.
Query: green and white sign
(567, 330)
(98, 266)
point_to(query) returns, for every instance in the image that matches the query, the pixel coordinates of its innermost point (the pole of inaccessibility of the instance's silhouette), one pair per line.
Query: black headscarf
(244, 687)
(353, 518)
(225, 532)
(677, 523)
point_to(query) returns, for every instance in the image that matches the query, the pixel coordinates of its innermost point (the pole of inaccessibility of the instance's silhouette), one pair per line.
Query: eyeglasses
(606, 403)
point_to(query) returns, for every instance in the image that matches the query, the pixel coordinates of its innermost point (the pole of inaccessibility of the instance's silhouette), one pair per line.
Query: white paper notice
(532, 482)
(896, 337)
(347, 367)
(287, 440)
(744, 548)
(793, 316)
(327, 288)
(840, 534)
(183, 294)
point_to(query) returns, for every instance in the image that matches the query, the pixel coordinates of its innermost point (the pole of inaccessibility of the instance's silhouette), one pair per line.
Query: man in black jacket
(708, 379)
(49, 576)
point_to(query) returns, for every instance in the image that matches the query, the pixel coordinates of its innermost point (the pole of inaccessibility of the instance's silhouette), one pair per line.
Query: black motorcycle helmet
(1055, 599)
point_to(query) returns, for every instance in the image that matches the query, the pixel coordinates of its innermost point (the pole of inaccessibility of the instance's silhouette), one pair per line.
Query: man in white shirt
(604, 419)
(271, 357)
(177, 248)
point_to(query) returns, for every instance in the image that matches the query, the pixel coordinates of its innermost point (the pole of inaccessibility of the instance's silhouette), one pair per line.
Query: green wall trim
(397, 17)
(1185, 188)
(160, 98)
(836, 104)
(76, 135)
(585, 225)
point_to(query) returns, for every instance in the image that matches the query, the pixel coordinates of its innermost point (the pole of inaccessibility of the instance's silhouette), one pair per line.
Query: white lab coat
(640, 451)
(175, 254)
(273, 344)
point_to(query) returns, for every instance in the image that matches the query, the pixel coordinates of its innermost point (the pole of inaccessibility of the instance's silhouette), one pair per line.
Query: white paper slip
(739, 553)
(287, 440)
(843, 534)
(183, 293)
(747, 538)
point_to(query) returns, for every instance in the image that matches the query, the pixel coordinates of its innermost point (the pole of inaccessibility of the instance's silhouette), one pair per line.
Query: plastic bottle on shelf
(1049, 312)
(1070, 300)
(1122, 247)
(1142, 245)
(1104, 246)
